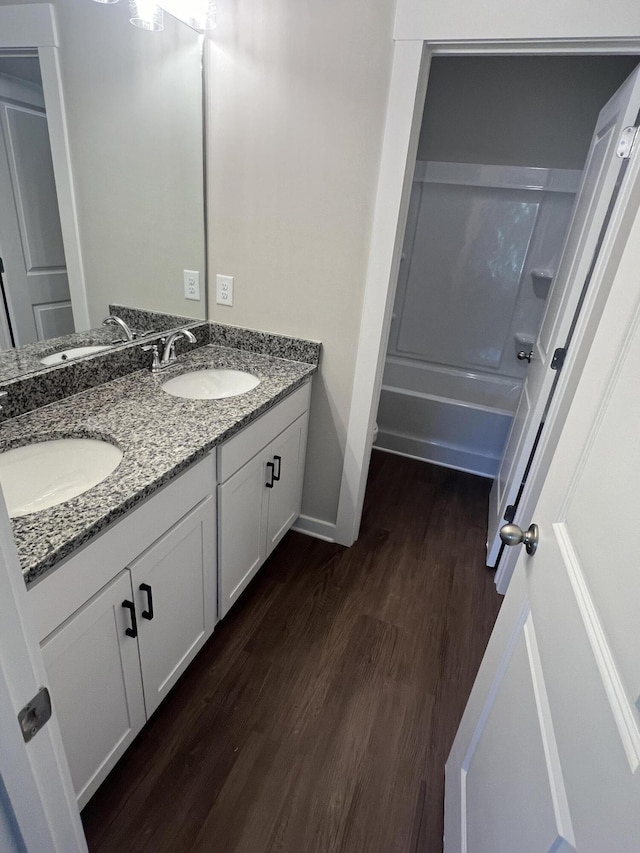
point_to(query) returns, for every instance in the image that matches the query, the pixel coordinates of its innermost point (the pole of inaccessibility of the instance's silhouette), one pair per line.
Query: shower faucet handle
(523, 355)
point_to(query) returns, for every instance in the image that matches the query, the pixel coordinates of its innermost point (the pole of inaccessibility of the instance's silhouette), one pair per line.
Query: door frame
(33, 28)
(409, 78)
(36, 791)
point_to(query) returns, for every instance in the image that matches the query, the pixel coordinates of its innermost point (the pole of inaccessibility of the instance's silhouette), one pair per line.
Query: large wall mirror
(101, 167)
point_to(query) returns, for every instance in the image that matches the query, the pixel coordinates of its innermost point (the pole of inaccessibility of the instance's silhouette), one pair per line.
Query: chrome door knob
(523, 355)
(511, 534)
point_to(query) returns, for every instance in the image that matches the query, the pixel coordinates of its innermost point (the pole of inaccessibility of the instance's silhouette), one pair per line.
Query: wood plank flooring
(319, 716)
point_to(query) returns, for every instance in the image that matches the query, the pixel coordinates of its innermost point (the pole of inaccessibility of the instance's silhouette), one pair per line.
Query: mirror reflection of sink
(48, 473)
(212, 384)
(69, 354)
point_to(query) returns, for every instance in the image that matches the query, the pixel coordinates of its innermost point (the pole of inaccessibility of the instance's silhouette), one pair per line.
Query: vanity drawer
(236, 452)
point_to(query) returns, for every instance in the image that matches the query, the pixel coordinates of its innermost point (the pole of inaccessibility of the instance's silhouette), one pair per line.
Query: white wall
(458, 20)
(517, 111)
(297, 95)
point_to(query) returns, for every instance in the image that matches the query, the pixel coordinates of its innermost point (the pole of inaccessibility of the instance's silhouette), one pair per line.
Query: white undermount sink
(212, 384)
(70, 354)
(47, 473)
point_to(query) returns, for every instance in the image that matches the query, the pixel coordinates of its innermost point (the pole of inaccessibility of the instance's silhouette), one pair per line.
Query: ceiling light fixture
(146, 14)
(200, 15)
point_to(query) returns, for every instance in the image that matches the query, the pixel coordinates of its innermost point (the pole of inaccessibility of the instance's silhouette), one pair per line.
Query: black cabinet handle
(278, 459)
(133, 630)
(147, 614)
(271, 467)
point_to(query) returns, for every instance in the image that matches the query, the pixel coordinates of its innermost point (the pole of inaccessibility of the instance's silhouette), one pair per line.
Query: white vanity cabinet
(94, 679)
(261, 472)
(122, 618)
(174, 590)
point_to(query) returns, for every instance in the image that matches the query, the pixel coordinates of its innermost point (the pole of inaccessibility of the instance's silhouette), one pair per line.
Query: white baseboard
(315, 527)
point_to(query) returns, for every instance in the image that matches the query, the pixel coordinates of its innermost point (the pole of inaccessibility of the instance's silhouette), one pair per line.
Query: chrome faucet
(116, 321)
(169, 351)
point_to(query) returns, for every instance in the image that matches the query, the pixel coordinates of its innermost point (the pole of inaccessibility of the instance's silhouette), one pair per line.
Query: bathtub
(450, 417)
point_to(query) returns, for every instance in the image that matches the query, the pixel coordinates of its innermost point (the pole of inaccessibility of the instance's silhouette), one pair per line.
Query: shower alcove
(502, 146)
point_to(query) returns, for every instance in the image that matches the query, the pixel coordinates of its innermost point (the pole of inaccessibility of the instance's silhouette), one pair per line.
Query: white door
(242, 529)
(35, 275)
(602, 170)
(38, 809)
(547, 756)
(175, 591)
(287, 457)
(96, 688)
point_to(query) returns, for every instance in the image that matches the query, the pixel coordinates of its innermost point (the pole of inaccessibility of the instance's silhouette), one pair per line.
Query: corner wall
(297, 94)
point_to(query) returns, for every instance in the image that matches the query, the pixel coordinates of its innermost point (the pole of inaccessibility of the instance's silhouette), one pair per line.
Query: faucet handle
(155, 364)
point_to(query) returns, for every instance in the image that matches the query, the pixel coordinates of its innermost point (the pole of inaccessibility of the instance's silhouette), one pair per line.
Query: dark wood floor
(320, 714)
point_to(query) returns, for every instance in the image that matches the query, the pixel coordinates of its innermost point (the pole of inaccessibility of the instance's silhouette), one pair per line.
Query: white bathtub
(450, 417)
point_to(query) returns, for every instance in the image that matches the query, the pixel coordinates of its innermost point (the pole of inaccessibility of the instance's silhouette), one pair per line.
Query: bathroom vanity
(127, 581)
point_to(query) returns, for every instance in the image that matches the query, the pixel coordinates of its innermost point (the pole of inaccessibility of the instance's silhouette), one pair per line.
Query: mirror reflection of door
(35, 292)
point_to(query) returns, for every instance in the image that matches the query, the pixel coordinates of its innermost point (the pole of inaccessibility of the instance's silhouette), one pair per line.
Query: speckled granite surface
(160, 436)
(25, 360)
(18, 363)
(252, 340)
(26, 393)
(30, 385)
(145, 320)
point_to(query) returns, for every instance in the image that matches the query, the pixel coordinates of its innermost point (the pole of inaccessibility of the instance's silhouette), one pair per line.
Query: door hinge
(35, 714)
(558, 358)
(510, 513)
(627, 142)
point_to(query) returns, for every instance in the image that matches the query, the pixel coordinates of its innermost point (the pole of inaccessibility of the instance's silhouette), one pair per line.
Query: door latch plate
(558, 358)
(35, 714)
(626, 143)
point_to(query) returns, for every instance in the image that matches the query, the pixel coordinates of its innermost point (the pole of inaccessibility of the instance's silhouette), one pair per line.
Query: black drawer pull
(147, 614)
(271, 467)
(278, 459)
(133, 630)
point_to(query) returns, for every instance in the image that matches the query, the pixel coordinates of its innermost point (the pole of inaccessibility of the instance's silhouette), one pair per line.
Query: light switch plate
(224, 289)
(192, 285)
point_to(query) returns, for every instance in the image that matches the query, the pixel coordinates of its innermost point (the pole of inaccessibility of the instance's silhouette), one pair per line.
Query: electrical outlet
(191, 285)
(224, 289)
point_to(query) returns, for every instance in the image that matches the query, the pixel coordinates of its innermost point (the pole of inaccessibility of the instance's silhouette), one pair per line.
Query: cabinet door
(174, 585)
(286, 454)
(242, 523)
(94, 678)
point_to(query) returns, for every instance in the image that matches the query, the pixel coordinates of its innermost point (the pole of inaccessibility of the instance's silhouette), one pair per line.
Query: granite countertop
(160, 437)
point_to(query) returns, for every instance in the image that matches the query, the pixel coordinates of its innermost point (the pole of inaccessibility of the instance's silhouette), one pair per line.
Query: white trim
(315, 527)
(399, 146)
(621, 708)
(555, 775)
(404, 114)
(34, 26)
(532, 178)
(63, 173)
(36, 776)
